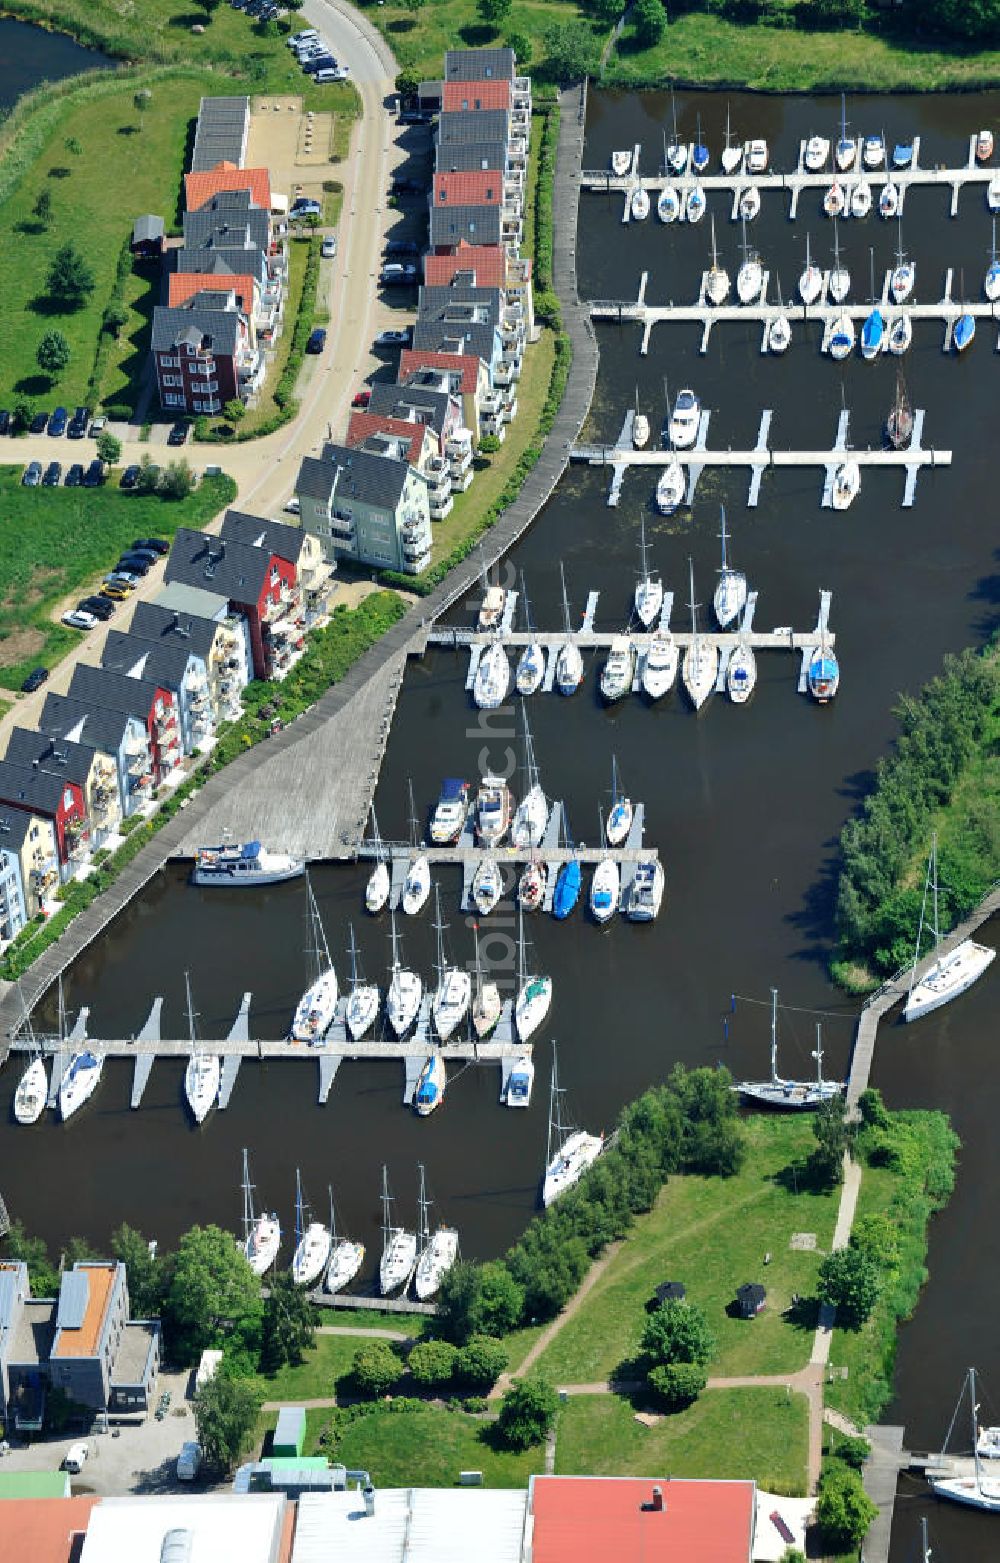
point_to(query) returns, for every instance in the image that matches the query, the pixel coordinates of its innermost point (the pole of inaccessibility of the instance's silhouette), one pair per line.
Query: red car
(361, 398)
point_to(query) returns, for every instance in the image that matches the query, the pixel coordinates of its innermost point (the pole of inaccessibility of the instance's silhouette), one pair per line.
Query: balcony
(140, 763)
(510, 410)
(522, 92)
(503, 375)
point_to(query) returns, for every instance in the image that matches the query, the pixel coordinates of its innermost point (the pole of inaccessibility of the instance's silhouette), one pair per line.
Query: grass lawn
(316, 1377)
(57, 541)
(419, 43)
(423, 1448)
(727, 1433)
(712, 1234)
(491, 477)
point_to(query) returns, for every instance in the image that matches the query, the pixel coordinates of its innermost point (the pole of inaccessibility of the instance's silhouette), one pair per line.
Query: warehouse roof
(416, 1525)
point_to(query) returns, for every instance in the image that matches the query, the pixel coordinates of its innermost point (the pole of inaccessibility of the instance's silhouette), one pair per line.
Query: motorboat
(640, 431)
(731, 155)
(823, 672)
(453, 993)
(984, 146)
(817, 150)
(567, 890)
(694, 206)
(520, 1081)
(486, 1001)
(621, 162)
(244, 863)
(839, 281)
(532, 1005)
(531, 815)
(618, 672)
(659, 665)
(645, 894)
(950, 973)
(861, 199)
(846, 484)
(450, 812)
(842, 338)
(346, 1259)
(684, 420)
(741, 673)
(811, 279)
(648, 596)
(363, 1001)
(494, 810)
(32, 1092)
(731, 588)
(756, 156)
(492, 681)
(492, 606)
(834, 200)
(316, 1008)
(888, 201)
(417, 886)
(431, 1085)
(399, 1247)
(640, 204)
(487, 886)
(569, 1151)
(749, 203)
(437, 1251)
(717, 277)
(621, 813)
(261, 1234)
(406, 990)
(531, 885)
(605, 889)
(668, 204)
(899, 423)
(794, 1095)
(902, 154)
(80, 1080)
(872, 334)
(530, 669)
(670, 488)
(964, 332)
(846, 150)
(988, 1443)
(313, 1242)
(874, 152)
(900, 334)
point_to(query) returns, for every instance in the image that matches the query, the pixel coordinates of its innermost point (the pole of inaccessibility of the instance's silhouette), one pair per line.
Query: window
(173, 400)
(173, 379)
(67, 799)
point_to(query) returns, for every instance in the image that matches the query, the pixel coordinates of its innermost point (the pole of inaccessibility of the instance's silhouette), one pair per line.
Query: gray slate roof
(146, 228)
(116, 691)
(399, 401)
(201, 326)
(479, 65)
(170, 627)
(278, 538)
(235, 570)
(98, 725)
(227, 259)
(475, 224)
(435, 336)
(469, 125)
(165, 665)
(71, 760)
(457, 298)
(14, 824)
(227, 221)
(197, 601)
(30, 788)
(470, 157)
(223, 124)
(375, 480)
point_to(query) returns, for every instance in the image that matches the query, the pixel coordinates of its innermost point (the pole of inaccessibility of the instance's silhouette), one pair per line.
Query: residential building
(458, 96)
(438, 410)
(201, 185)
(221, 133)
(474, 332)
(173, 667)
(222, 645)
(313, 573)
(203, 353)
(586, 1519)
(482, 266)
(461, 157)
(53, 798)
(368, 507)
(226, 220)
(256, 583)
(183, 285)
(473, 125)
(116, 733)
(460, 375)
(467, 188)
(154, 706)
(147, 238)
(454, 225)
(415, 443)
(92, 770)
(229, 232)
(480, 65)
(29, 868)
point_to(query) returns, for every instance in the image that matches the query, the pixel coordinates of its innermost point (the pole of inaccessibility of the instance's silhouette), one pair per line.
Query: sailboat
(873, 330)
(811, 280)
(640, 203)
(793, 1094)
(486, 1003)
(835, 200)
(567, 889)
(316, 1008)
(491, 685)
(618, 672)
(33, 1087)
(379, 883)
(312, 1242)
(569, 661)
(417, 885)
(965, 325)
(261, 1234)
(842, 338)
(861, 199)
(741, 673)
(839, 284)
(949, 974)
(732, 156)
(750, 277)
(363, 1001)
(659, 665)
(899, 423)
(700, 665)
(668, 204)
(82, 1074)
(487, 885)
(399, 1247)
(648, 597)
(991, 281)
(846, 149)
(903, 274)
(431, 1085)
(677, 154)
(405, 991)
(779, 331)
(977, 1491)
(534, 993)
(717, 277)
(453, 993)
(694, 206)
(749, 203)
(699, 152)
(640, 434)
(203, 1072)
(846, 483)
(823, 672)
(621, 813)
(900, 335)
(531, 815)
(888, 201)
(605, 890)
(532, 883)
(437, 1251)
(731, 587)
(570, 1151)
(346, 1257)
(531, 663)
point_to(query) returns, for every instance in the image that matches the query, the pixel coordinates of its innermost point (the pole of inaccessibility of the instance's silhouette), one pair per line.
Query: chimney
(368, 1491)
(655, 1505)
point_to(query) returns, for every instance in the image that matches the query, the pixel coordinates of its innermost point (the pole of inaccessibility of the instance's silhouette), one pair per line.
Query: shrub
(677, 1384)
(844, 1510)
(375, 1369)
(432, 1362)
(479, 1363)
(678, 1332)
(849, 1281)
(527, 1413)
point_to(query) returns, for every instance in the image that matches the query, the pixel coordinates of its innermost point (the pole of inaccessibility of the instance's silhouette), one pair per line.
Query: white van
(76, 1458)
(189, 1461)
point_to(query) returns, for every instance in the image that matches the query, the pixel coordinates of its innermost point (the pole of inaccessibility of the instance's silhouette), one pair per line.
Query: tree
(527, 1413)
(145, 1273)
(42, 1273)
(458, 1301)
(142, 99)
(115, 316)
(826, 1163)
(488, 445)
(73, 146)
(650, 20)
(42, 208)
(480, 1363)
(844, 1510)
(878, 1237)
(149, 476)
(407, 84)
(874, 1114)
(292, 5)
(432, 1362)
(375, 1369)
(849, 1281)
(414, 6)
(235, 409)
(677, 1332)
(501, 1300)
(521, 45)
(78, 1250)
(494, 12)
(21, 414)
(288, 1329)
(176, 480)
(214, 1297)
(52, 353)
(70, 280)
(225, 1412)
(971, 19)
(109, 448)
(677, 1384)
(208, 6)
(570, 52)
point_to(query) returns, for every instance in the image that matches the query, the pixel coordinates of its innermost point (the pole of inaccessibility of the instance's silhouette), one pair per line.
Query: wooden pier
(390, 1305)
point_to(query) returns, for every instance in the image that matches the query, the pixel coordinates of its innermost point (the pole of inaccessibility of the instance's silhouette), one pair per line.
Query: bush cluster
(112, 320)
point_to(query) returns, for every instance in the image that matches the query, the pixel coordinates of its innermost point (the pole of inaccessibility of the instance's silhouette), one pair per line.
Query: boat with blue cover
(823, 675)
(872, 333)
(244, 863)
(902, 154)
(430, 1086)
(965, 330)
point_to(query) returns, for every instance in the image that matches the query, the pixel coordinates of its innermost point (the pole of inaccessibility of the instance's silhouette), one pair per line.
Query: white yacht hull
(417, 887)
(532, 1006)
(741, 675)
(32, 1093)
(699, 671)
(619, 671)
(398, 1258)
(520, 1082)
(451, 1001)
(530, 819)
(730, 596)
(403, 1003)
(312, 1255)
(569, 1164)
(605, 890)
(362, 1010)
(619, 822)
(345, 1262)
(261, 1247)
(659, 666)
(486, 1009)
(569, 669)
(435, 1262)
(846, 485)
(530, 669)
(749, 281)
(648, 600)
(964, 1489)
(645, 896)
(791, 1095)
(316, 1009)
(377, 892)
(201, 1084)
(949, 977)
(670, 489)
(487, 886)
(492, 682)
(80, 1081)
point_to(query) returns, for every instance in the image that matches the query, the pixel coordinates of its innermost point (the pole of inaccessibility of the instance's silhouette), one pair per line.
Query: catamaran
(346, 1258)
(792, 1094)
(839, 284)
(717, 277)
(731, 588)
(684, 420)
(659, 665)
(431, 1085)
(520, 1081)
(399, 1247)
(405, 991)
(453, 993)
(312, 1242)
(379, 882)
(436, 1251)
(618, 672)
(605, 890)
(621, 813)
(417, 885)
(741, 673)
(570, 1151)
(811, 279)
(33, 1087)
(203, 1072)
(569, 661)
(487, 886)
(363, 1001)
(316, 1008)
(949, 974)
(700, 664)
(531, 663)
(648, 596)
(645, 894)
(486, 1003)
(531, 815)
(534, 993)
(977, 1491)
(83, 1072)
(491, 685)
(261, 1234)
(899, 423)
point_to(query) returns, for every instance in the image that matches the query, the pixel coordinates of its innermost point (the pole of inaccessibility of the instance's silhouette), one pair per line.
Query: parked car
(150, 555)
(98, 425)
(303, 207)
(94, 474)
(327, 74)
(189, 1461)
(402, 247)
(297, 39)
(155, 545)
(100, 607)
(35, 679)
(408, 186)
(119, 577)
(317, 340)
(179, 433)
(57, 423)
(361, 398)
(32, 474)
(78, 424)
(328, 248)
(38, 423)
(76, 1458)
(292, 505)
(130, 476)
(4, 421)
(53, 473)
(398, 273)
(395, 338)
(116, 590)
(132, 564)
(74, 476)
(411, 117)
(79, 619)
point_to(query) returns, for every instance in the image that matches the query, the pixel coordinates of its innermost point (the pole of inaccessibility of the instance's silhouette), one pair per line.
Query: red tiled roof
(199, 188)
(413, 358)
(487, 261)
(363, 424)
(46, 1530)
(459, 95)
(580, 1519)
(185, 284)
(482, 187)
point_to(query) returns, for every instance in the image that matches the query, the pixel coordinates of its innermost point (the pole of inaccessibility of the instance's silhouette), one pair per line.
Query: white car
(326, 77)
(76, 1458)
(79, 619)
(297, 40)
(292, 505)
(328, 249)
(394, 338)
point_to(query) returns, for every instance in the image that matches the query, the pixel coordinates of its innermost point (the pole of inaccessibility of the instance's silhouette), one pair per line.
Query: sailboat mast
(298, 1208)
(413, 813)
(190, 1010)
(934, 871)
(975, 1430)
(423, 1227)
(774, 1035)
(439, 928)
(694, 607)
(818, 1055)
(565, 599)
(248, 1216)
(553, 1104)
(386, 1228)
